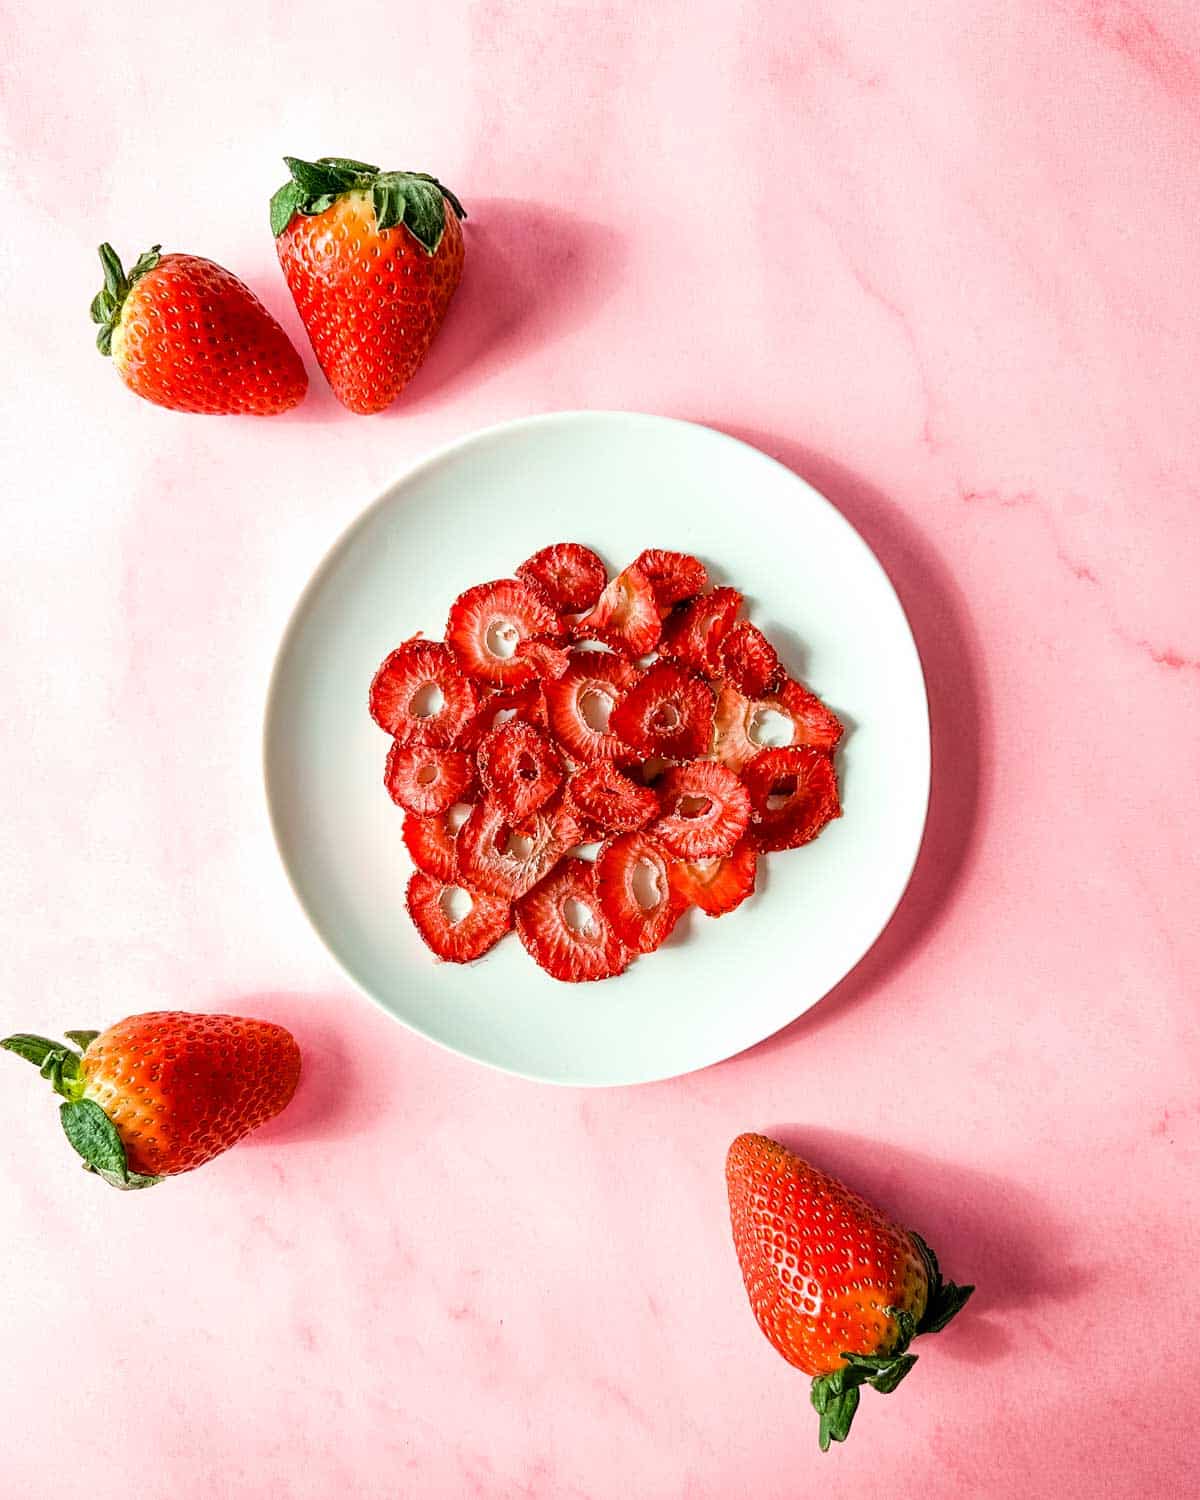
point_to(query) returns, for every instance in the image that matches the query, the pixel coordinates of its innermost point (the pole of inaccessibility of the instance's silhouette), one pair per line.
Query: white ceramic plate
(618, 482)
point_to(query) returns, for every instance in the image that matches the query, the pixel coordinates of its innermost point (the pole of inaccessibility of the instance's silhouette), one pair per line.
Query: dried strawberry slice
(431, 840)
(419, 695)
(487, 624)
(520, 768)
(718, 885)
(746, 726)
(456, 924)
(578, 705)
(748, 660)
(674, 576)
(423, 779)
(499, 707)
(564, 929)
(668, 711)
(625, 616)
(694, 633)
(610, 801)
(634, 883)
(705, 810)
(570, 575)
(546, 658)
(503, 859)
(794, 793)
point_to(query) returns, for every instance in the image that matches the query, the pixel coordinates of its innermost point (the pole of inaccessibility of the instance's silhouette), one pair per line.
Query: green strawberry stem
(87, 1127)
(413, 199)
(835, 1396)
(108, 301)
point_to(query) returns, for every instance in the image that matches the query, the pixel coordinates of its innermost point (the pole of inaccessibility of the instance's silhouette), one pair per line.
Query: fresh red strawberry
(420, 697)
(423, 779)
(794, 794)
(744, 725)
(674, 576)
(610, 801)
(705, 809)
(564, 929)
(668, 711)
(431, 841)
(693, 634)
(579, 703)
(501, 859)
(487, 624)
(838, 1289)
(748, 660)
(636, 894)
(718, 885)
(159, 1094)
(520, 769)
(187, 334)
(372, 260)
(625, 616)
(456, 924)
(572, 576)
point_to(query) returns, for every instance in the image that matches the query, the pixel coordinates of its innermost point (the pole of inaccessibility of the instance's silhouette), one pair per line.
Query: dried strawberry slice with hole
(705, 810)
(419, 695)
(625, 616)
(693, 634)
(423, 779)
(503, 859)
(520, 768)
(564, 929)
(790, 716)
(580, 702)
(431, 839)
(636, 895)
(609, 800)
(487, 624)
(748, 660)
(500, 706)
(717, 885)
(674, 576)
(545, 657)
(456, 924)
(570, 575)
(668, 711)
(794, 794)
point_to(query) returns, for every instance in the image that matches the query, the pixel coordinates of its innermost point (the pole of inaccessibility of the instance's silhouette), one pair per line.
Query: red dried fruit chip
(494, 855)
(580, 702)
(636, 895)
(748, 660)
(456, 924)
(564, 929)
(571, 576)
(693, 634)
(487, 624)
(546, 658)
(610, 801)
(625, 616)
(793, 793)
(815, 725)
(419, 695)
(520, 768)
(500, 706)
(718, 885)
(674, 576)
(746, 726)
(668, 711)
(430, 840)
(705, 810)
(423, 779)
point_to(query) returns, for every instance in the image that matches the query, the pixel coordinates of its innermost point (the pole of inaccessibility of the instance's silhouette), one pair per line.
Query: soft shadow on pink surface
(984, 1230)
(952, 663)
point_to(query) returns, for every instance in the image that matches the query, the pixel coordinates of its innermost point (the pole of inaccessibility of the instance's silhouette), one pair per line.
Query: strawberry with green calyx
(162, 1093)
(838, 1290)
(372, 260)
(186, 334)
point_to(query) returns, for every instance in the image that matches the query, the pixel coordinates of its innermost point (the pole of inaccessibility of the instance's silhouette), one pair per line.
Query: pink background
(942, 259)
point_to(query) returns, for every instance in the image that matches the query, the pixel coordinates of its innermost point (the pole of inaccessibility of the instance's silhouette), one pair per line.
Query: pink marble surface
(942, 259)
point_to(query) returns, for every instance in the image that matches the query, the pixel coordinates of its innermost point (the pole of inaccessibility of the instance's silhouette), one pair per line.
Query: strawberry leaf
(107, 303)
(349, 163)
(94, 1136)
(413, 199)
(82, 1039)
(34, 1049)
(286, 202)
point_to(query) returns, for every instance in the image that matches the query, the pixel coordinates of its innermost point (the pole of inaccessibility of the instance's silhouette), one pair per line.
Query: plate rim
(363, 517)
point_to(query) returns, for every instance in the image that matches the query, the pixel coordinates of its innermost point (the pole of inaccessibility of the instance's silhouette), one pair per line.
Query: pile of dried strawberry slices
(583, 758)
